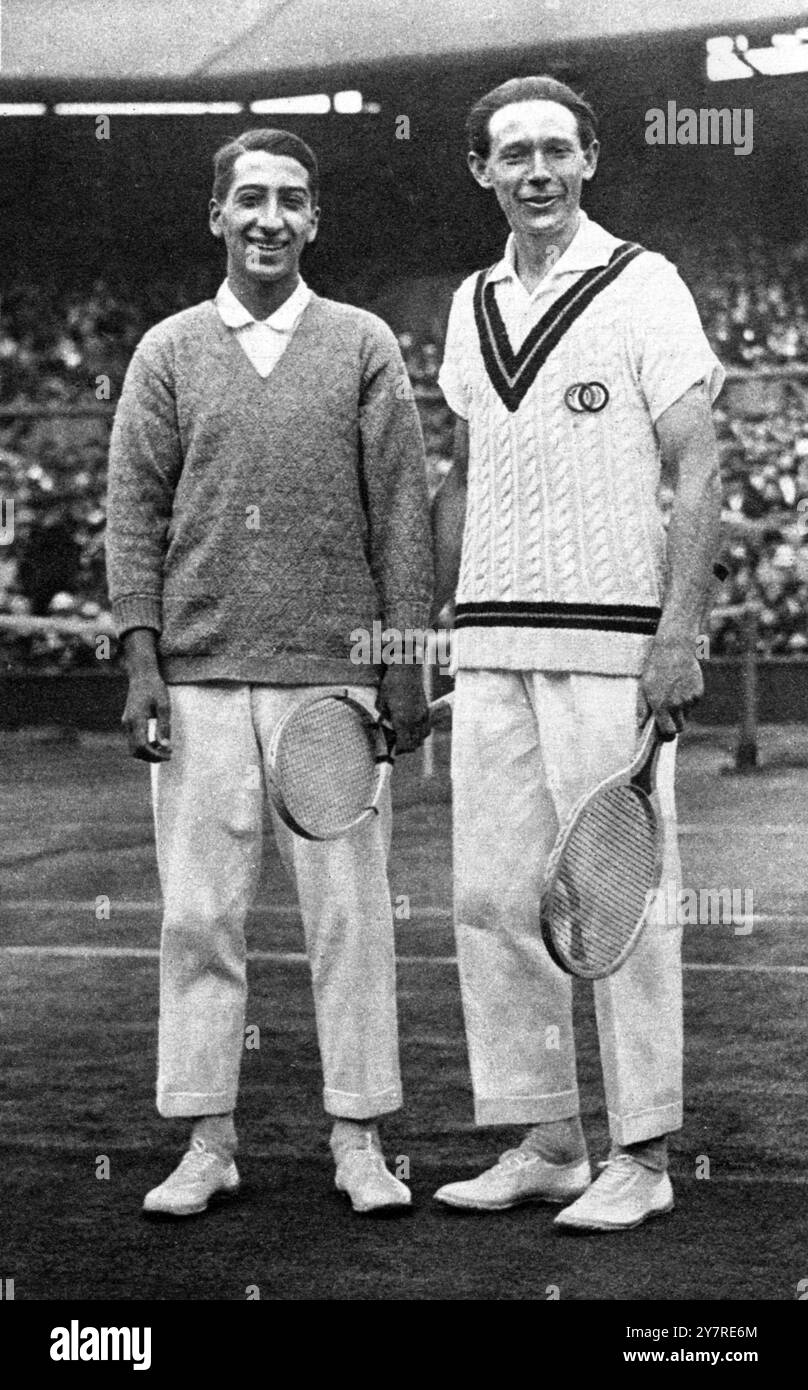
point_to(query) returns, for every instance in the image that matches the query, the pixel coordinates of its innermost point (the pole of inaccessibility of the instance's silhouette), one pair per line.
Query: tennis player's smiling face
(537, 167)
(266, 220)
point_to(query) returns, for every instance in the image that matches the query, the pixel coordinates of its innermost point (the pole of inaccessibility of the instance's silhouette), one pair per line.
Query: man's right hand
(147, 700)
(448, 521)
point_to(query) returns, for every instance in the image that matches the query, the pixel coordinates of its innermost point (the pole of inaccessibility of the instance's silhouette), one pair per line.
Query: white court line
(152, 953)
(736, 827)
(726, 969)
(688, 829)
(771, 917)
(289, 911)
(300, 958)
(131, 905)
(121, 827)
(135, 907)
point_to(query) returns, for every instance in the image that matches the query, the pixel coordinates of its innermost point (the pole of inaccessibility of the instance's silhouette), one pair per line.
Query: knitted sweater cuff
(137, 610)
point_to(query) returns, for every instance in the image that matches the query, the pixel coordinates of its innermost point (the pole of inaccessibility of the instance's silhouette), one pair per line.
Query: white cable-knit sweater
(564, 547)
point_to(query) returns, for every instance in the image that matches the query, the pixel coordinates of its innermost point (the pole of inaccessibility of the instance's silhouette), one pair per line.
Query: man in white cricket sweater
(574, 366)
(267, 496)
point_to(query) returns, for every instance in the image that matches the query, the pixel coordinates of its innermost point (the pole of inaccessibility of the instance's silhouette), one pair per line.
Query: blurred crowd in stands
(71, 349)
(753, 298)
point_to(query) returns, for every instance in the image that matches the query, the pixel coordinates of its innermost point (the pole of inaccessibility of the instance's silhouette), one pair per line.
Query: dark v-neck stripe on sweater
(512, 373)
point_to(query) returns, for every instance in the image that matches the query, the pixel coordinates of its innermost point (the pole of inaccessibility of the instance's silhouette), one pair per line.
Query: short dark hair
(273, 142)
(542, 88)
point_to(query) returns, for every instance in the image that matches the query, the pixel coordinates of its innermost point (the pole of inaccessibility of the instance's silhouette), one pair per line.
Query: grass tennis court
(78, 1003)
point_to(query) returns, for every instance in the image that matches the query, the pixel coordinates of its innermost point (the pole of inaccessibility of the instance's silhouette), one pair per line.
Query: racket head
(327, 765)
(604, 870)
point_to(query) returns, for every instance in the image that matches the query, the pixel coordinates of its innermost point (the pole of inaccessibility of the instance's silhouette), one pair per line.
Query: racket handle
(383, 781)
(435, 707)
(652, 741)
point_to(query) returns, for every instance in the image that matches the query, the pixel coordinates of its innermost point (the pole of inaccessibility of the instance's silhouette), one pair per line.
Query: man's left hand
(669, 687)
(403, 702)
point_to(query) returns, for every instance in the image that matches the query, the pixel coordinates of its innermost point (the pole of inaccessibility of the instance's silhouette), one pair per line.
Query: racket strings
(600, 890)
(325, 765)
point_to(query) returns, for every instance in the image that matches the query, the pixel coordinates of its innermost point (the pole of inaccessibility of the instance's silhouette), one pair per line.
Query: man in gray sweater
(267, 497)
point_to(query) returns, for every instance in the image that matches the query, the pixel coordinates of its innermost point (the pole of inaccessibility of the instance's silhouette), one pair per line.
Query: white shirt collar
(592, 245)
(234, 315)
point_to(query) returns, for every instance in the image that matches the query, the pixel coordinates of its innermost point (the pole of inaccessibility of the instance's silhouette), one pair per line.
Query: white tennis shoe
(519, 1176)
(624, 1195)
(201, 1175)
(364, 1177)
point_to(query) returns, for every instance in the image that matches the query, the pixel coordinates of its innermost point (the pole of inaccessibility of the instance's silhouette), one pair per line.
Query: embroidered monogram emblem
(586, 396)
(513, 373)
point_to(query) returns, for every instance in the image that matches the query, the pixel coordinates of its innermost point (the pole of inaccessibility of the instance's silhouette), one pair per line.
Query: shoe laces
(365, 1153)
(367, 1143)
(616, 1171)
(198, 1157)
(516, 1158)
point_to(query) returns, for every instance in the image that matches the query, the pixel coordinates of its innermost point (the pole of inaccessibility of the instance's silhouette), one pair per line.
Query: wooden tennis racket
(605, 868)
(328, 763)
(606, 864)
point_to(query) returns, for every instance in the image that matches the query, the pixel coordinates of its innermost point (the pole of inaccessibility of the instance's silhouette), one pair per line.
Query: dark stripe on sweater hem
(604, 617)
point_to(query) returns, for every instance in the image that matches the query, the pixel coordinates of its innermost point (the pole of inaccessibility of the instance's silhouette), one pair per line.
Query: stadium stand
(66, 351)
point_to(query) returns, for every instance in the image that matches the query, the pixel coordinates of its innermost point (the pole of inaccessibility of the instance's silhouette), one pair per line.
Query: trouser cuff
(648, 1124)
(348, 1105)
(525, 1110)
(192, 1103)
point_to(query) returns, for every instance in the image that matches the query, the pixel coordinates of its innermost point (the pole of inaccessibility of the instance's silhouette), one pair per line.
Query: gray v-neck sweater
(256, 523)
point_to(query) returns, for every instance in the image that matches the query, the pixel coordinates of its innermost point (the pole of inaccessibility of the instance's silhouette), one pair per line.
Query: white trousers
(525, 746)
(208, 808)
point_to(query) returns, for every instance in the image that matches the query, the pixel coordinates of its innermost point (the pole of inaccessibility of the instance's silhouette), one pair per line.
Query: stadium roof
(103, 41)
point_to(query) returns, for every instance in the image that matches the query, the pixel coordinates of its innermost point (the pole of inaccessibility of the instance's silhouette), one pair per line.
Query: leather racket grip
(643, 778)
